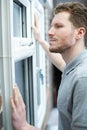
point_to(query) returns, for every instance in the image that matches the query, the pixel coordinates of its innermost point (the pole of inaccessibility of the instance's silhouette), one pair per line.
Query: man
(67, 36)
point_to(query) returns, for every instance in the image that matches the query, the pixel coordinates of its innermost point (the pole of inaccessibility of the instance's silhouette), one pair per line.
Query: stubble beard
(56, 50)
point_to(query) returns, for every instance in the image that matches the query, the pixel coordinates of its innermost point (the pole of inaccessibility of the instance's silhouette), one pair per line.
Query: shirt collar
(78, 60)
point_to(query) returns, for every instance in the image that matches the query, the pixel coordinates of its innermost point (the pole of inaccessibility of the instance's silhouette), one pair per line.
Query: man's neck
(71, 53)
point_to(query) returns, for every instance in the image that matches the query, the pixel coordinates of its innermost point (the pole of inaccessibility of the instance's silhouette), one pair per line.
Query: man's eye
(58, 26)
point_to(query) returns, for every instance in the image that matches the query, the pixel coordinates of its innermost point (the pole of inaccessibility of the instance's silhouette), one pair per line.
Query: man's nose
(51, 31)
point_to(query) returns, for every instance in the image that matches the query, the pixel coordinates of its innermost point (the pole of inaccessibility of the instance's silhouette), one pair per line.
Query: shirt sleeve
(79, 111)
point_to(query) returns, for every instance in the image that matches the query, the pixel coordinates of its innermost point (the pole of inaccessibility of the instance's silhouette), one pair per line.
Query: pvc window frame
(6, 61)
(41, 109)
(23, 45)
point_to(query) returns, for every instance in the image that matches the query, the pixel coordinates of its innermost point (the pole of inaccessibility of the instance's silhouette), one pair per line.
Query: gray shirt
(72, 95)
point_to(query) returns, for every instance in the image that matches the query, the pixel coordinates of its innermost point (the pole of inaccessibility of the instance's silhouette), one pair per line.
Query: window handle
(41, 76)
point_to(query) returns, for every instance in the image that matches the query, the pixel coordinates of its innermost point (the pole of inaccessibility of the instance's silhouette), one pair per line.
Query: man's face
(62, 33)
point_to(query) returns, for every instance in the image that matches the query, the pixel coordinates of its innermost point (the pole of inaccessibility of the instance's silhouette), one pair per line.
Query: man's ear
(80, 32)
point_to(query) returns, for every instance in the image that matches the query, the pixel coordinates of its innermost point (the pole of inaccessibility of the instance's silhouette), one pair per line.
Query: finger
(19, 94)
(12, 104)
(34, 29)
(17, 97)
(36, 22)
(15, 94)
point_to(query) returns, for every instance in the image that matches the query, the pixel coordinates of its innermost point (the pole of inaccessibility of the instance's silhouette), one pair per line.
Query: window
(40, 67)
(24, 80)
(22, 23)
(21, 61)
(23, 53)
(19, 20)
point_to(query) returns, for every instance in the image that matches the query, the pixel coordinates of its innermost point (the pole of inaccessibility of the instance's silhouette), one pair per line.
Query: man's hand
(35, 28)
(18, 110)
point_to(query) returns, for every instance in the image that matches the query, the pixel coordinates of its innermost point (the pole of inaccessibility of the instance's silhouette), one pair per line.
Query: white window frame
(41, 110)
(6, 60)
(13, 49)
(24, 47)
(11, 53)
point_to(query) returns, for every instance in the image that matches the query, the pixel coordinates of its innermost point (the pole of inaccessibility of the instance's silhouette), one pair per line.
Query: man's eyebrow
(57, 24)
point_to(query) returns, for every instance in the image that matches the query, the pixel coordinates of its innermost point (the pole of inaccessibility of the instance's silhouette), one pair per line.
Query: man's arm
(19, 112)
(56, 58)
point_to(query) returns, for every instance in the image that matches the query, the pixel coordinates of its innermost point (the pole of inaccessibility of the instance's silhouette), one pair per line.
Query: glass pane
(20, 76)
(17, 20)
(22, 80)
(42, 1)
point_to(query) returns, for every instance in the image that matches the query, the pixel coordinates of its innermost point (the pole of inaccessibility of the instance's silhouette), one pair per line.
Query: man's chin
(53, 50)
